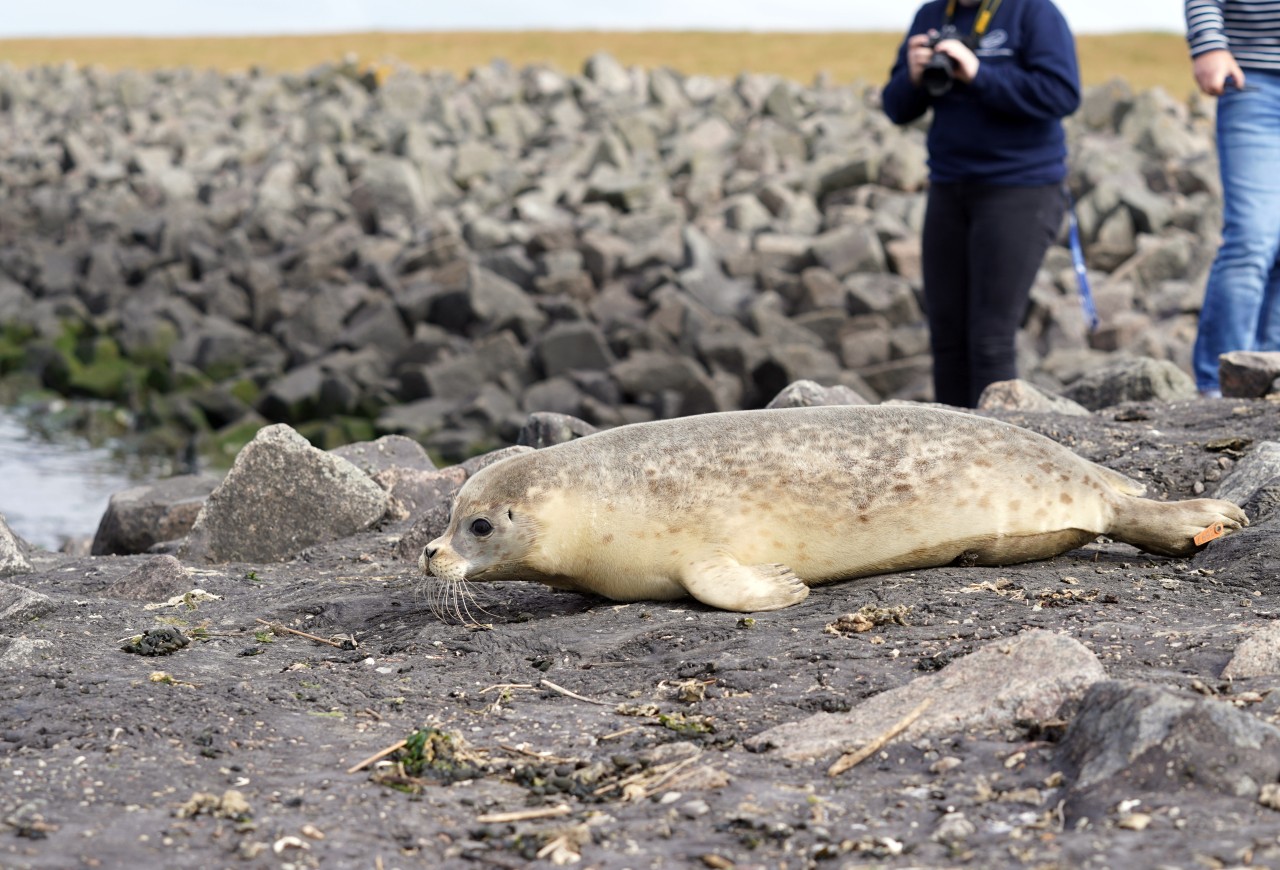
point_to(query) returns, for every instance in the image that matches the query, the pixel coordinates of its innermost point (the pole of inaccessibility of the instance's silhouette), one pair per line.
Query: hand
(1213, 68)
(967, 62)
(918, 54)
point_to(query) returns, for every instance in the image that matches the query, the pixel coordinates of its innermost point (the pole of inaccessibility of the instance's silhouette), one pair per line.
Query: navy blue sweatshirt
(1005, 127)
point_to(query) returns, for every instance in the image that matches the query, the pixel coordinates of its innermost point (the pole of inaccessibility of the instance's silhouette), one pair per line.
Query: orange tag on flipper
(1213, 531)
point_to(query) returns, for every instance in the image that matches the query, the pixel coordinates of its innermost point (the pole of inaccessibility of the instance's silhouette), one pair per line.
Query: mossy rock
(156, 353)
(246, 390)
(229, 440)
(335, 432)
(13, 342)
(112, 379)
(164, 411)
(51, 363)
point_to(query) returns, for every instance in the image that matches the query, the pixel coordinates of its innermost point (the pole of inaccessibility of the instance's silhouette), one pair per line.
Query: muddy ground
(101, 760)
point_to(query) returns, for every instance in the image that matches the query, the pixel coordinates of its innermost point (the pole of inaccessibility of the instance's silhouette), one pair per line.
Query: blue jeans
(1241, 308)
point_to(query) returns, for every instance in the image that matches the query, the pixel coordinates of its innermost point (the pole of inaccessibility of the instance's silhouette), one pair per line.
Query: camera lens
(938, 74)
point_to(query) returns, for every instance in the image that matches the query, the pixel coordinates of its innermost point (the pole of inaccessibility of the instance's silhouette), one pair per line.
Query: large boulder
(280, 497)
(140, 517)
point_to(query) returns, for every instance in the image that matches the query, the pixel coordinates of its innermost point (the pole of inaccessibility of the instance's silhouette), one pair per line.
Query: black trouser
(982, 247)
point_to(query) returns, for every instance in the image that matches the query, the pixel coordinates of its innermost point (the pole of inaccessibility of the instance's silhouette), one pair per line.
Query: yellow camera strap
(985, 13)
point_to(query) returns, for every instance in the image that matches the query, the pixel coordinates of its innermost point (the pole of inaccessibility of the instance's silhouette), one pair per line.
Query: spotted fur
(745, 510)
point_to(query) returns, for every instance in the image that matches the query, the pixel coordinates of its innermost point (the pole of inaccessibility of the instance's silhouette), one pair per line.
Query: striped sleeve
(1206, 30)
(1249, 29)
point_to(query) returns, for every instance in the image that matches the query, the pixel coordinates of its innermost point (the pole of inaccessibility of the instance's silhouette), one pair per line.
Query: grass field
(1143, 59)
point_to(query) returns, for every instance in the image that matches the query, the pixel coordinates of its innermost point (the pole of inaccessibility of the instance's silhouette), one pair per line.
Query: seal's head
(483, 542)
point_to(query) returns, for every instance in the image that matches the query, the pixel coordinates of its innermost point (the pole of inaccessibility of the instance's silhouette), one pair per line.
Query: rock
(389, 451)
(1129, 739)
(887, 295)
(1027, 677)
(156, 579)
(573, 346)
(545, 429)
(19, 605)
(416, 492)
(1248, 374)
(849, 249)
(1258, 655)
(1132, 380)
(281, 496)
(1019, 395)
(140, 517)
(1259, 468)
(806, 394)
(389, 190)
(649, 373)
(13, 552)
(607, 73)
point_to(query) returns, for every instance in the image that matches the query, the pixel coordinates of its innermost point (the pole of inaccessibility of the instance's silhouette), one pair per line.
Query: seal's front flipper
(730, 585)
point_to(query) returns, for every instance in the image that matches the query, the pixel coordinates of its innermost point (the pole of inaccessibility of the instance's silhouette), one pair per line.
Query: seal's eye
(481, 528)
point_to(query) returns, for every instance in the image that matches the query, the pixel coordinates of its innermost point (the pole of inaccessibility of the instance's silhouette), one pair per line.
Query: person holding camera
(1235, 56)
(1000, 75)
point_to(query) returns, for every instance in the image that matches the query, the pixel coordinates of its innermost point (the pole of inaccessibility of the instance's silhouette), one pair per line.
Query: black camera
(940, 72)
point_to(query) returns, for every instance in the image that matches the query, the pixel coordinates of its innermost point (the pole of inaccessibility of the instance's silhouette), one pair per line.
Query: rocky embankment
(358, 254)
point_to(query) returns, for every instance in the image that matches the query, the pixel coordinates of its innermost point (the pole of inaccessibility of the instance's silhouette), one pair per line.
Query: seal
(745, 510)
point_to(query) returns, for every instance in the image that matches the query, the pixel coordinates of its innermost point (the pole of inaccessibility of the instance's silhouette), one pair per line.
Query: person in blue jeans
(997, 162)
(1235, 51)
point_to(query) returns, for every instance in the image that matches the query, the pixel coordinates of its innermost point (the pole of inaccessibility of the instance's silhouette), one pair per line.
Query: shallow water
(55, 487)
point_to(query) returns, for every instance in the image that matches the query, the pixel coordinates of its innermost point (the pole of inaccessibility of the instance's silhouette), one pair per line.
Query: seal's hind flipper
(1170, 528)
(729, 585)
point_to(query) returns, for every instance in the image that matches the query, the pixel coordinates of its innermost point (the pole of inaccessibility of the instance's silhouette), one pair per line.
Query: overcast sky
(182, 17)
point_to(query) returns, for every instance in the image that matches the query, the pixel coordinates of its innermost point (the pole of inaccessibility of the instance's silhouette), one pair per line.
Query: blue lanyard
(1077, 260)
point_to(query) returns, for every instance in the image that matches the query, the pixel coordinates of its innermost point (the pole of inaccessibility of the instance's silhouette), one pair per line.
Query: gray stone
(417, 492)
(1258, 655)
(849, 249)
(13, 552)
(1260, 467)
(607, 73)
(706, 280)
(887, 295)
(649, 372)
(569, 346)
(19, 605)
(1020, 395)
(23, 652)
(389, 189)
(389, 451)
(1006, 681)
(140, 517)
(791, 253)
(544, 429)
(156, 579)
(807, 394)
(416, 418)
(1129, 739)
(1132, 380)
(280, 497)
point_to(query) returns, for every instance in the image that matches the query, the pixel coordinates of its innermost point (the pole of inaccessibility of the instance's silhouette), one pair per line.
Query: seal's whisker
(436, 592)
(467, 598)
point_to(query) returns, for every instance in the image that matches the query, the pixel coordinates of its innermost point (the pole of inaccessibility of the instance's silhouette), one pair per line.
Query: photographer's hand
(967, 62)
(918, 54)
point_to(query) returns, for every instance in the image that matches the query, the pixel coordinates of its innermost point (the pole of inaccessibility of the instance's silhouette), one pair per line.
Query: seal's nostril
(431, 552)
